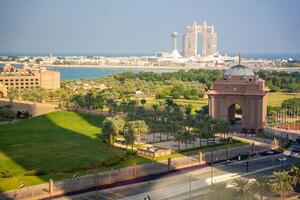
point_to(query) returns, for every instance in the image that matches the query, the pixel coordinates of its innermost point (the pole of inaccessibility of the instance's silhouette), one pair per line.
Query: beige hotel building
(27, 77)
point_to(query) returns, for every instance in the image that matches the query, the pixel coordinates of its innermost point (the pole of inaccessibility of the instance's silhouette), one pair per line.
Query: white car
(281, 159)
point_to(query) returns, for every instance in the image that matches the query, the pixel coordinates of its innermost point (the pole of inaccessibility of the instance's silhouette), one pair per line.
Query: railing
(96, 180)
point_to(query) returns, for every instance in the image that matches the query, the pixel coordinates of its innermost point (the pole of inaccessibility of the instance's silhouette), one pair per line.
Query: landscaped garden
(61, 144)
(56, 145)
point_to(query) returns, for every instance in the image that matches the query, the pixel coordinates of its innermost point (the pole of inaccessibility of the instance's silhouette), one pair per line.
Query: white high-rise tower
(174, 37)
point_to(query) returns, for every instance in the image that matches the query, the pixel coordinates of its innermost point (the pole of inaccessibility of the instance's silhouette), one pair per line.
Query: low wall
(35, 109)
(288, 134)
(125, 174)
(159, 152)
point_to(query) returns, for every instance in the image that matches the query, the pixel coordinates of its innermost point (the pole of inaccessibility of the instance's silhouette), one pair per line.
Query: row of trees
(165, 118)
(279, 183)
(131, 131)
(291, 106)
(281, 81)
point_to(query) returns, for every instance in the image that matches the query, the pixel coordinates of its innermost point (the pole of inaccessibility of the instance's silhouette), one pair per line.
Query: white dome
(239, 70)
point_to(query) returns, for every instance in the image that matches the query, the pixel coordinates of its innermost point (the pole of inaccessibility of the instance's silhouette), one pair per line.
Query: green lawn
(65, 143)
(60, 143)
(196, 104)
(276, 98)
(273, 99)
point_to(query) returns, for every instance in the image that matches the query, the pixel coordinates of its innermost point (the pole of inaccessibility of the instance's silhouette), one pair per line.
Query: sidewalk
(123, 175)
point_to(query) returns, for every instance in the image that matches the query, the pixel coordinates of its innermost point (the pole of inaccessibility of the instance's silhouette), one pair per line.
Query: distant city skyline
(136, 27)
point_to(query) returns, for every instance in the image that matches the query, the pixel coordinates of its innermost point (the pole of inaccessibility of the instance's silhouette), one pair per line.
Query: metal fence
(124, 174)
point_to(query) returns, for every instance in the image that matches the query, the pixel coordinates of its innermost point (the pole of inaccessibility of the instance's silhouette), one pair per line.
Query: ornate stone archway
(239, 85)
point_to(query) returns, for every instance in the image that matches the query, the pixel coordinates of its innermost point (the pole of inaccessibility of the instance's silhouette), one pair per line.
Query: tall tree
(295, 175)
(281, 182)
(143, 101)
(78, 101)
(242, 186)
(261, 185)
(112, 127)
(89, 100)
(219, 191)
(12, 94)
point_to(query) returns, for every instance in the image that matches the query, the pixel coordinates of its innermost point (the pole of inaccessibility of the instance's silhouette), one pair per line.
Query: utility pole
(281, 152)
(211, 166)
(190, 194)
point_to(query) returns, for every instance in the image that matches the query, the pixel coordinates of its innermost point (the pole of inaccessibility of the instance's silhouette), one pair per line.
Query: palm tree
(12, 94)
(130, 134)
(179, 137)
(112, 127)
(78, 101)
(89, 100)
(295, 175)
(143, 102)
(99, 102)
(155, 110)
(218, 191)
(281, 182)
(242, 187)
(261, 185)
(201, 129)
(141, 128)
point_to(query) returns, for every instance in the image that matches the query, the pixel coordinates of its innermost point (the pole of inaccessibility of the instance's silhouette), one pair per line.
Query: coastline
(133, 67)
(157, 67)
(141, 67)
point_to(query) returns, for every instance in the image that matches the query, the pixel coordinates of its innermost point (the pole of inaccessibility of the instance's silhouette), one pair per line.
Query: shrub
(5, 174)
(131, 153)
(36, 172)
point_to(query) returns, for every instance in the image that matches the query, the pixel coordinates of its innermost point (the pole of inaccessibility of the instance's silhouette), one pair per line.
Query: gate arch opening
(235, 114)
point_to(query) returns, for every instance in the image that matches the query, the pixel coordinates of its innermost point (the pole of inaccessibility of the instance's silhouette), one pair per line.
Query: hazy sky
(144, 27)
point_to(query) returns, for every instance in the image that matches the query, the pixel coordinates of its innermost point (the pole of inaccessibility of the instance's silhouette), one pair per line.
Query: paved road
(177, 185)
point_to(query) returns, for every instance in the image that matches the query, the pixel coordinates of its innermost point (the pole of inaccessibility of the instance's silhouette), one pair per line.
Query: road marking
(102, 195)
(88, 198)
(119, 195)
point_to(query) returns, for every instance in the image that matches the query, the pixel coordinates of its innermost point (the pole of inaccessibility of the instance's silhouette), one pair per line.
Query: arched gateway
(239, 86)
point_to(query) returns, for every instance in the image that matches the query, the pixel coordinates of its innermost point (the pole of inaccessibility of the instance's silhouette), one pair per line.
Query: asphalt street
(180, 185)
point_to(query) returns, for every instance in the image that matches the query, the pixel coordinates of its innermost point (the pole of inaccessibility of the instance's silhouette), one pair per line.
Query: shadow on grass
(57, 145)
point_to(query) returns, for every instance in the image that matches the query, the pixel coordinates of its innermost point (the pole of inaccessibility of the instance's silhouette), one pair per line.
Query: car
(294, 153)
(270, 152)
(282, 159)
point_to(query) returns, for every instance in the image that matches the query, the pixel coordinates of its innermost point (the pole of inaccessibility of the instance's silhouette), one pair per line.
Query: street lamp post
(211, 166)
(281, 152)
(190, 187)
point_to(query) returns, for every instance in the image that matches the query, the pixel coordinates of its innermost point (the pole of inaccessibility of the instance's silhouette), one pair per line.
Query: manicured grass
(59, 143)
(196, 104)
(276, 98)
(273, 99)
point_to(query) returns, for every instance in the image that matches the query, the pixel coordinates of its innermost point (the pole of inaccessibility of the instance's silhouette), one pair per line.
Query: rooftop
(239, 70)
